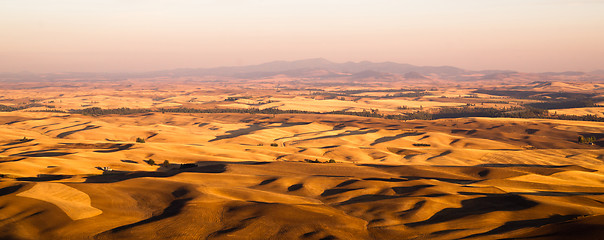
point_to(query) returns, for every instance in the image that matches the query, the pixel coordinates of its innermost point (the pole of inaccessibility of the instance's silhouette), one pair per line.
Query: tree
(587, 140)
(166, 164)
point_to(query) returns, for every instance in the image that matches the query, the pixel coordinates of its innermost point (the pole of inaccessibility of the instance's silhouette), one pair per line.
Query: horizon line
(292, 61)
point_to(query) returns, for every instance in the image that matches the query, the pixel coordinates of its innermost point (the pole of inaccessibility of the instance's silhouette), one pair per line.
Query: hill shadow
(532, 223)
(75, 125)
(11, 159)
(413, 209)
(116, 148)
(117, 176)
(391, 138)
(334, 191)
(18, 142)
(65, 134)
(173, 209)
(502, 165)
(445, 153)
(205, 167)
(44, 178)
(42, 153)
(368, 198)
(347, 133)
(10, 189)
(479, 206)
(410, 189)
(253, 128)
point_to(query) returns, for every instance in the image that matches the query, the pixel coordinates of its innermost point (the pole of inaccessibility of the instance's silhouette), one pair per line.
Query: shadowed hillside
(256, 176)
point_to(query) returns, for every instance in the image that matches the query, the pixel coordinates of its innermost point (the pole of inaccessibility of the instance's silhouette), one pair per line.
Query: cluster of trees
(387, 96)
(575, 103)
(317, 161)
(550, 100)
(364, 113)
(6, 108)
(408, 94)
(445, 112)
(151, 162)
(357, 91)
(397, 92)
(97, 111)
(48, 110)
(535, 94)
(586, 140)
(526, 111)
(496, 101)
(451, 112)
(512, 112)
(458, 112)
(588, 117)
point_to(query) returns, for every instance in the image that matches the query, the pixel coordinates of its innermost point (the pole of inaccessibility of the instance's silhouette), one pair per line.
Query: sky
(145, 35)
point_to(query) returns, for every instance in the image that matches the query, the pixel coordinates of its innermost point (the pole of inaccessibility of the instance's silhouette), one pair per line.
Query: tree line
(6, 108)
(445, 112)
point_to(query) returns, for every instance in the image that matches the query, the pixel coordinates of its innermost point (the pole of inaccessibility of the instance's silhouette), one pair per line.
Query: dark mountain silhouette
(297, 68)
(496, 76)
(370, 74)
(597, 72)
(567, 73)
(316, 68)
(414, 75)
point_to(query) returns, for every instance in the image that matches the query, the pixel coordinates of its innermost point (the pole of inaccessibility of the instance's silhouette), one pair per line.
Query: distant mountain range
(302, 68)
(319, 68)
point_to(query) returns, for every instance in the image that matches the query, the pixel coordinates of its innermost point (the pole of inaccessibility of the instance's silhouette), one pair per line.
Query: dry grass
(253, 176)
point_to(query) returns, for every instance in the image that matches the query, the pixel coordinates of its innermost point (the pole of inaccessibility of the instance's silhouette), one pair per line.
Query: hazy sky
(139, 35)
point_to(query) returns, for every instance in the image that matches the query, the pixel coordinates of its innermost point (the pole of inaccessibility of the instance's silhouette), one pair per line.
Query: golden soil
(468, 178)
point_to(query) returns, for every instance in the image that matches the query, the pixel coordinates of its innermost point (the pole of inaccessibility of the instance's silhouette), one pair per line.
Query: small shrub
(421, 144)
(529, 147)
(24, 139)
(260, 144)
(166, 164)
(150, 162)
(140, 140)
(274, 145)
(187, 165)
(586, 140)
(331, 161)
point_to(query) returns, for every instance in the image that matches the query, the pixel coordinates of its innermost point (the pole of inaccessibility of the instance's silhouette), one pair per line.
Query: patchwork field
(258, 176)
(283, 158)
(302, 120)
